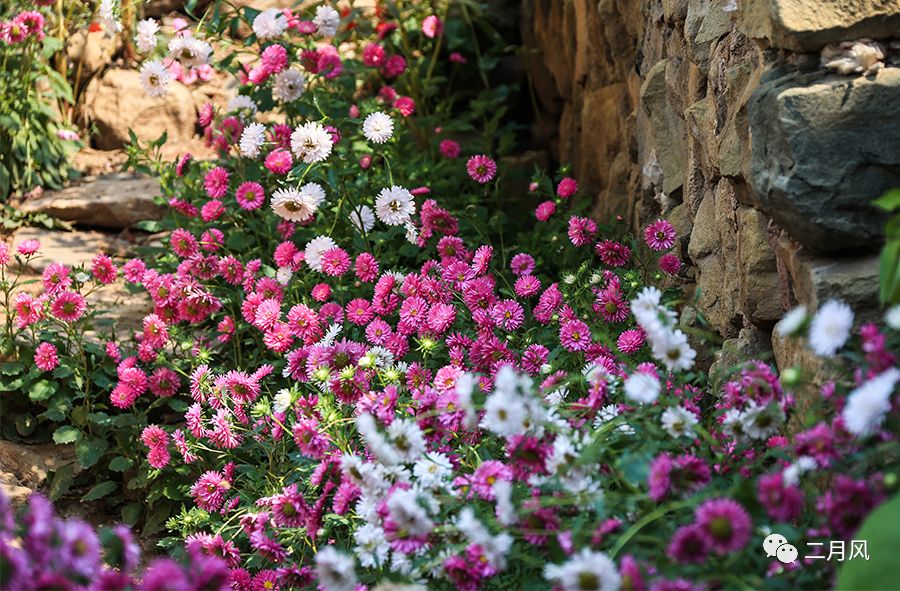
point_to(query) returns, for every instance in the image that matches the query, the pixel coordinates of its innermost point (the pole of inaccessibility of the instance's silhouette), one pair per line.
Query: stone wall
(744, 122)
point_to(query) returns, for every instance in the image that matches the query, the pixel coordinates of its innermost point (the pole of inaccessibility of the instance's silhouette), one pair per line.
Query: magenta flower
(575, 335)
(45, 357)
(670, 264)
(630, 341)
(216, 182)
(449, 149)
(481, 168)
(725, 523)
(660, 235)
(68, 306)
(335, 262)
(432, 27)
(545, 210)
(566, 187)
(251, 195)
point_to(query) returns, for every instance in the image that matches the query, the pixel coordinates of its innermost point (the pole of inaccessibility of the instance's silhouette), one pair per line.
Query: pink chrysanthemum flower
(279, 161)
(545, 210)
(581, 230)
(432, 27)
(366, 267)
(28, 247)
(56, 278)
(660, 235)
(670, 264)
(612, 253)
(393, 66)
(630, 341)
(611, 305)
(335, 262)
(527, 286)
(183, 243)
(726, 524)
(182, 164)
(534, 357)
(405, 105)
(274, 58)
(449, 149)
(575, 335)
(68, 306)
(28, 309)
(373, 55)
(250, 195)
(212, 210)
(508, 314)
(216, 182)
(45, 357)
(689, 545)
(566, 187)
(209, 491)
(486, 475)
(103, 269)
(522, 264)
(359, 311)
(481, 168)
(164, 382)
(320, 292)
(378, 331)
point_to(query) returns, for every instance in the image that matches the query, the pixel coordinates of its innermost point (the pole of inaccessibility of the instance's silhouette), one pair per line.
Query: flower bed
(360, 370)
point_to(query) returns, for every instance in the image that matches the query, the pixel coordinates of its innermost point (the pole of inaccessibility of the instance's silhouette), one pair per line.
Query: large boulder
(823, 149)
(116, 102)
(808, 25)
(110, 201)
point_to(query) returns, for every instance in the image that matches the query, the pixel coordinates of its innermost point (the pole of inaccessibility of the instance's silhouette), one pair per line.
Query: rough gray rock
(110, 201)
(823, 149)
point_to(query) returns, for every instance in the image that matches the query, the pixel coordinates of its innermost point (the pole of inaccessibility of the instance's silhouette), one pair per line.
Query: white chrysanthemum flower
(327, 20)
(283, 275)
(505, 414)
(791, 474)
(587, 570)
(412, 232)
(830, 328)
(311, 142)
(242, 104)
(155, 78)
(792, 322)
(733, 424)
(760, 422)
(298, 205)
(892, 317)
(394, 206)
(404, 508)
(406, 437)
(252, 139)
(372, 547)
(145, 39)
(673, 350)
(189, 51)
(288, 85)
(269, 24)
(642, 387)
(106, 12)
(282, 400)
(465, 386)
(679, 422)
(378, 127)
(334, 570)
(868, 404)
(314, 250)
(506, 510)
(434, 469)
(378, 444)
(646, 304)
(332, 333)
(363, 219)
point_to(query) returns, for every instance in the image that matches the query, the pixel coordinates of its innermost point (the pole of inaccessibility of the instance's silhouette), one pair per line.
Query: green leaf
(11, 368)
(66, 434)
(156, 521)
(131, 513)
(89, 451)
(882, 537)
(62, 480)
(62, 372)
(890, 201)
(42, 390)
(120, 464)
(100, 491)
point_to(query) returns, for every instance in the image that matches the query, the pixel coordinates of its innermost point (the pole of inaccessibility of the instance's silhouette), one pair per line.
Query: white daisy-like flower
(298, 205)
(791, 474)
(372, 547)
(642, 387)
(506, 510)
(283, 275)
(155, 78)
(269, 24)
(252, 139)
(678, 422)
(868, 404)
(189, 51)
(362, 218)
(673, 350)
(733, 424)
(311, 142)
(407, 438)
(394, 206)
(106, 12)
(242, 104)
(327, 20)
(412, 232)
(892, 317)
(830, 328)
(505, 413)
(792, 322)
(145, 39)
(334, 570)
(404, 508)
(378, 127)
(288, 85)
(433, 469)
(282, 400)
(314, 250)
(760, 422)
(586, 570)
